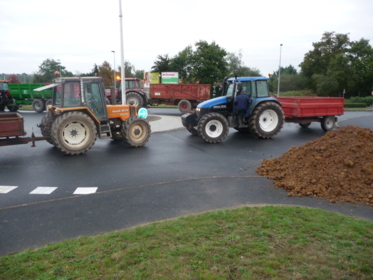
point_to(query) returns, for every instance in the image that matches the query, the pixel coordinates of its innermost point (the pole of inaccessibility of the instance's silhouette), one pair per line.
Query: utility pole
(279, 73)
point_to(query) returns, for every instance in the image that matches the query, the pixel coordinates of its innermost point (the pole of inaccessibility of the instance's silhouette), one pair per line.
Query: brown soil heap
(337, 166)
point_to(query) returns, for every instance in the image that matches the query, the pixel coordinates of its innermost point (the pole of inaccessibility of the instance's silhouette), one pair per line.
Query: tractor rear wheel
(73, 133)
(213, 128)
(46, 125)
(13, 108)
(135, 98)
(266, 120)
(136, 131)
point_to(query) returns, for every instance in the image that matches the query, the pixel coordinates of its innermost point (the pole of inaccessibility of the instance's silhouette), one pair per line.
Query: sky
(82, 33)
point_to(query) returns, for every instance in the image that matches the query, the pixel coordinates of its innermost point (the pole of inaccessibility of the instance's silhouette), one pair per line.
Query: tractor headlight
(198, 109)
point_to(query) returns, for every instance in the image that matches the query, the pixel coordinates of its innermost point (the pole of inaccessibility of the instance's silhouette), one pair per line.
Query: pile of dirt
(337, 166)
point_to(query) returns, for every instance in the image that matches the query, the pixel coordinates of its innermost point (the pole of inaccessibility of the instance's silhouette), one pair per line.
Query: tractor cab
(81, 92)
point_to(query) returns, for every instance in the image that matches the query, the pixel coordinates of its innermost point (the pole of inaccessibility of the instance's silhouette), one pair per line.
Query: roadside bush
(306, 92)
(354, 105)
(367, 100)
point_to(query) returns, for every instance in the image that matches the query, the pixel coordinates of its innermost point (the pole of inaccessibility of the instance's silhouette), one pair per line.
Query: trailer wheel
(2, 107)
(213, 128)
(305, 125)
(136, 131)
(46, 125)
(184, 106)
(135, 98)
(266, 120)
(38, 105)
(327, 123)
(73, 133)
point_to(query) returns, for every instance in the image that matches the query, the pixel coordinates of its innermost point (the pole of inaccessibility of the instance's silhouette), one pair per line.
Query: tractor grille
(132, 111)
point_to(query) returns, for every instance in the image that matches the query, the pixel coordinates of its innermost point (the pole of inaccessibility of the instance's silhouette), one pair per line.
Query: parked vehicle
(6, 100)
(134, 94)
(185, 96)
(24, 94)
(77, 116)
(264, 117)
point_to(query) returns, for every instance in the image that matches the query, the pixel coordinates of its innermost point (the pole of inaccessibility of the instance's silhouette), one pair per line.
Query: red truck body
(300, 107)
(186, 96)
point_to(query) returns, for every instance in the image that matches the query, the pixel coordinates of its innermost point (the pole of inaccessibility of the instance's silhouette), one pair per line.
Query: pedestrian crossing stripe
(6, 189)
(49, 190)
(43, 190)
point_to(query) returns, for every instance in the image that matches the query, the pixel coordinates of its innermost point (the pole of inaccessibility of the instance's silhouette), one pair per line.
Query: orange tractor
(79, 114)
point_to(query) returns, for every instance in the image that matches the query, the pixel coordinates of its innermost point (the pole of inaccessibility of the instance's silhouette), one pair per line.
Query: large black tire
(327, 123)
(305, 125)
(2, 107)
(38, 105)
(73, 133)
(266, 120)
(136, 131)
(213, 128)
(184, 106)
(46, 125)
(135, 98)
(13, 108)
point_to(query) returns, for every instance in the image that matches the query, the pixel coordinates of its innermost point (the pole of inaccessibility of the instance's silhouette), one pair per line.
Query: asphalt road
(175, 174)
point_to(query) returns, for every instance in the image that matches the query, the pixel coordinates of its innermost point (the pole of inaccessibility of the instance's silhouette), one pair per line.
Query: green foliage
(236, 67)
(305, 92)
(105, 71)
(355, 105)
(47, 70)
(337, 64)
(162, 64)
(368, 100)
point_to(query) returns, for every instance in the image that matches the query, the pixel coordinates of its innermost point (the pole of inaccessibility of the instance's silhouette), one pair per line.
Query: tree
(106, 73)
(47, 70)
(13, 79)
(208, 63)
(162, 64)
(181, 63)
(139, 74)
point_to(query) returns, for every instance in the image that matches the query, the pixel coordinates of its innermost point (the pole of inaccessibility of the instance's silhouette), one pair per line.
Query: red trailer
(186, 96)
(304, 110)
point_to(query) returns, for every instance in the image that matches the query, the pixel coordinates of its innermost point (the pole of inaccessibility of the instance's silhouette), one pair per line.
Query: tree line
(335, 66)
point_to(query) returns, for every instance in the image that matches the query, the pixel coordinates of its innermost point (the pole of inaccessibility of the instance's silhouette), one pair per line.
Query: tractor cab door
(94, 97)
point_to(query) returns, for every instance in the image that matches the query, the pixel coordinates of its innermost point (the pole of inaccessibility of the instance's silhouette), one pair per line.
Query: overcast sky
(82, 33)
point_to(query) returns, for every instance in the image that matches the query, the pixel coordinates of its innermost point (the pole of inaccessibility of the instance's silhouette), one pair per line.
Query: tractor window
(71, 94)
(92, 95)
(246, 86)
(57, 95)
(262, 89)
(130, 84)
(230, 88)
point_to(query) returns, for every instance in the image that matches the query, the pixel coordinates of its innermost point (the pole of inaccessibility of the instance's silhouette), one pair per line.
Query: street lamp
(59, 66)
(279, 73)
(115, 84)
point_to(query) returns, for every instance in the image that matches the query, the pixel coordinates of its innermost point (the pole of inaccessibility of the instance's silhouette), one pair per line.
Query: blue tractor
(212, 118)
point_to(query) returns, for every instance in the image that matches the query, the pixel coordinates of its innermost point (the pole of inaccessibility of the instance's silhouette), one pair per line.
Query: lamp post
(123, 78)
(59, 66)
(115, 83)
(279, 73)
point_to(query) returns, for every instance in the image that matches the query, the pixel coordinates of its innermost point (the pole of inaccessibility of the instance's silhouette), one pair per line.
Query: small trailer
(304, 110)
(186, 96)
(12, 130)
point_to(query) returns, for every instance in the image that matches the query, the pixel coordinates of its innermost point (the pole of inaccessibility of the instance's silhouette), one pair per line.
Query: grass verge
(246, 243)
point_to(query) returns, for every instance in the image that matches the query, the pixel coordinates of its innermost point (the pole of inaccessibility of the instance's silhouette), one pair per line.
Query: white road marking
(6, 189)
(85, 190)
(43, 190)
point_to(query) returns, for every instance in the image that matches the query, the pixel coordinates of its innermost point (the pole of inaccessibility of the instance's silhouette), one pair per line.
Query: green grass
(269, 242)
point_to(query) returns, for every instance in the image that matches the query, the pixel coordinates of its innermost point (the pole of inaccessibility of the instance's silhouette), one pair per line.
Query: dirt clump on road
(337, 166)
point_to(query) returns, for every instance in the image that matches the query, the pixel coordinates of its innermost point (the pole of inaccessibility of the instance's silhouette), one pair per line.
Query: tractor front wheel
(213, 128)
(73, 133)
(136, 131)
